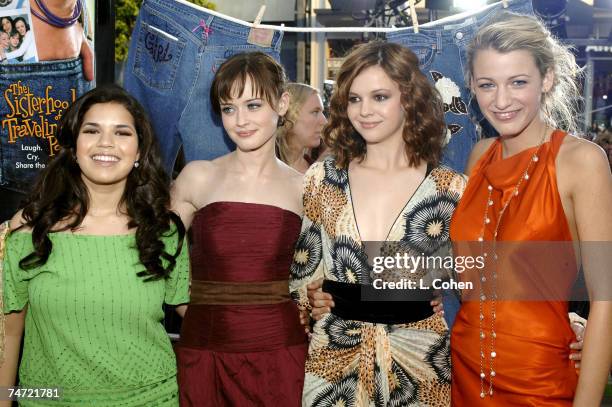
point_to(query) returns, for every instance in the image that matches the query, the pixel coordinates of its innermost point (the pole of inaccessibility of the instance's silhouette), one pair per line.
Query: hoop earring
(281, 121)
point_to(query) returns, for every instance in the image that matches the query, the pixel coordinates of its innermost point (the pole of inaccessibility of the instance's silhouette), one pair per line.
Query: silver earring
(136, 164)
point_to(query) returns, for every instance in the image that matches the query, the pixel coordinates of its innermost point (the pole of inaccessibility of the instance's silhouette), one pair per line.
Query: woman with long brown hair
(383, 184)
(92, 257)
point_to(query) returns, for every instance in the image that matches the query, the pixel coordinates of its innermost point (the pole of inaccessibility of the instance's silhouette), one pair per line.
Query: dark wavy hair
(60, 195)
(10, 20)
(424, 130)
(23, 20)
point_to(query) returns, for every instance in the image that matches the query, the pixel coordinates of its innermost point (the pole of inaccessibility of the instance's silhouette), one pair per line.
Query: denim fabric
(174, 53)
(441, 49)
(34, 98)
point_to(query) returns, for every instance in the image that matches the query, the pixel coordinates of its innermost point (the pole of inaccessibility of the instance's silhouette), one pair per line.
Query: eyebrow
(119, 126)
(512, 77)
(373, 91)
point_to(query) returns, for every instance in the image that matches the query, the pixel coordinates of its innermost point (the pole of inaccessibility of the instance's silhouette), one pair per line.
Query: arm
(307, 263)
(14, 302)
(591, 193)
(14, 323)
(188, 183)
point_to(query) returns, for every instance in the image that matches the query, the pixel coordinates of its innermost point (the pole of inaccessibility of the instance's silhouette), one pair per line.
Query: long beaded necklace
(483, 279)
(48, 17)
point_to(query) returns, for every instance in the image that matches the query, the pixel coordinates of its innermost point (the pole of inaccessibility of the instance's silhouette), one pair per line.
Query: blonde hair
(512, 32)
(299, 94)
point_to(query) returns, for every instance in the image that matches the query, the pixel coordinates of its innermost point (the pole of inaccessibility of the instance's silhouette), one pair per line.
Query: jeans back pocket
(158, 54)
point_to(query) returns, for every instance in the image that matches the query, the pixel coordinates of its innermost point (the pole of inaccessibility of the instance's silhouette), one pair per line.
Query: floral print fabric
(355, 363)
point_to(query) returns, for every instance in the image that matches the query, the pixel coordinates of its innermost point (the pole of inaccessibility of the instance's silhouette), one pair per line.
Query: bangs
(229, 90)
(267, 79)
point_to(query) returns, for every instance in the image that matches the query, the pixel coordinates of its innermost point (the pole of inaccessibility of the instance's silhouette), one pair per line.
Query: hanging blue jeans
(174, 53)
(441, 49)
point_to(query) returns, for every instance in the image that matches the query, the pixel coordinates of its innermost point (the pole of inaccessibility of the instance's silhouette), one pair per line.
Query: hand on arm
(578, 325)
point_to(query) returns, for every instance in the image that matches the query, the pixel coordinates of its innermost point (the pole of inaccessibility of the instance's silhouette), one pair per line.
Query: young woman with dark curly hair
(91, 258)
(382, 184)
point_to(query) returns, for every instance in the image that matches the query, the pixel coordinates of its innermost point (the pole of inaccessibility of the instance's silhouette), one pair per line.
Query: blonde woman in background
(302, 132)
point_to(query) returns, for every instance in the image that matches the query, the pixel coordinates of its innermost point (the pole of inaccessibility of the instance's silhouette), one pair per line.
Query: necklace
(493, 283)
(48, 17)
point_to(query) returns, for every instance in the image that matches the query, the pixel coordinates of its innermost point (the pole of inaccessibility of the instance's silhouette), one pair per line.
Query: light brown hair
(424, 129)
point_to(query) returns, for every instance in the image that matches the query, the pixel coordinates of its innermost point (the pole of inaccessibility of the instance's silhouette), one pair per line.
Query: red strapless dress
(241, 340)
(532, 364)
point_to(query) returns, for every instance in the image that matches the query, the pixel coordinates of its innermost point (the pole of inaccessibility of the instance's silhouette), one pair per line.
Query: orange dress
(532, 365)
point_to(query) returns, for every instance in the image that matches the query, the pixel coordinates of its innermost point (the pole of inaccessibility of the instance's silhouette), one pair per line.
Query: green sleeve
(177, 284)
(15, 280)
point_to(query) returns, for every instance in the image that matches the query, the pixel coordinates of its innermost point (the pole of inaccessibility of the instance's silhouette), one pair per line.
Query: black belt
(365, 303)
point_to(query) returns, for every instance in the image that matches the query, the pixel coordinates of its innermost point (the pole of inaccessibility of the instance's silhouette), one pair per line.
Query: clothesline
(319, 29)
(289, 29)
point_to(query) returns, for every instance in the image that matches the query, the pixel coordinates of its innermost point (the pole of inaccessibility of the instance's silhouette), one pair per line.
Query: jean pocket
(425, 54)
(158, 55)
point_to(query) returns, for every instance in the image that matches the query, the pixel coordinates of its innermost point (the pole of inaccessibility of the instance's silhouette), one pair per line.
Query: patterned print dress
(355, 363)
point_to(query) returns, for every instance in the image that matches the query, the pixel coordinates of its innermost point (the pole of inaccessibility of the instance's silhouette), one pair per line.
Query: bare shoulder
(18, 221)
(477, 151)
(194, 181)
(295, 178)
(196, 171)
(580, 157)
(582, 168)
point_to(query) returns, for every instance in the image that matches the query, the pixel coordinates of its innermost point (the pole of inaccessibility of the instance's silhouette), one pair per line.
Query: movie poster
(33, 97)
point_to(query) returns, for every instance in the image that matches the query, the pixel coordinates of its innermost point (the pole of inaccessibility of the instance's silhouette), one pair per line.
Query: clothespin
(505, 3)
(260, 15)
(413, 17)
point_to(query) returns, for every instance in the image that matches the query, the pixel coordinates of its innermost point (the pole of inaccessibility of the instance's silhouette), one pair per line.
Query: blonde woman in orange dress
(534, 183)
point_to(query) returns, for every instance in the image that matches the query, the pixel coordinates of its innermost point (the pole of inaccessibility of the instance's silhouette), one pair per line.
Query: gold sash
(230, 293)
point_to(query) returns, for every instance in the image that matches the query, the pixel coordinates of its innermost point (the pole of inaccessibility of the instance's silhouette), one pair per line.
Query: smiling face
(374, 106)
(107, 145)
(250, 120)
(309, 124)
(509, 89)
(4, 40)
(15, 40)
(7, 27)
(20, 27)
